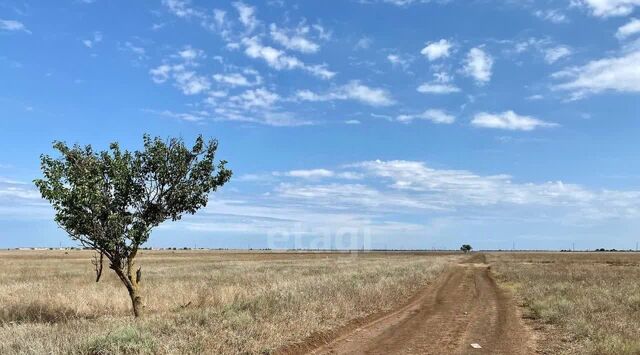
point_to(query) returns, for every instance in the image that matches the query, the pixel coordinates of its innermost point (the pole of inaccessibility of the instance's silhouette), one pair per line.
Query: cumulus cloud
(354, 90)
(246, 15)
(279, 60)
(478, 65)
(629, 29)
(621, 74)
(609, 8)
(509, 120)
(440, 85)
(436, 50)
(433, 115)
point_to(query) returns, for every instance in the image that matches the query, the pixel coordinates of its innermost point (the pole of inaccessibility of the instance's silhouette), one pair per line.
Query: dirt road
(464, 306)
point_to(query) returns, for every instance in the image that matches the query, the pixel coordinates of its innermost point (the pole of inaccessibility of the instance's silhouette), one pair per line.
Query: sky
(375, 123)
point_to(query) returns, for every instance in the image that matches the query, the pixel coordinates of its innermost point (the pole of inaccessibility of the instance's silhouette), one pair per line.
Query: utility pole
(573, 246)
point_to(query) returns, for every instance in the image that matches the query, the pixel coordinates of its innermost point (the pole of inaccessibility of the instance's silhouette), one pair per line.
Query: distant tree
(110, 200)
(466, 248)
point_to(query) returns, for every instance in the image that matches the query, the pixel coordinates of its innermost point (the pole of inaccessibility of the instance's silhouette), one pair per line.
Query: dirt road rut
(464, 306)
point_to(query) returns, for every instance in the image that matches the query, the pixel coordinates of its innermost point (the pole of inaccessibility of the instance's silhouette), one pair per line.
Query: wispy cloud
(354, 90)
(629, 29)
(509, 120)
(13, 25)
(294, 39)
(433, 115)
(621, 74)
(95, 39)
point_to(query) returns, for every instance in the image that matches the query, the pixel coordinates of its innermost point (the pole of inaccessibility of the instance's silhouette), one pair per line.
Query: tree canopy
(111, 200)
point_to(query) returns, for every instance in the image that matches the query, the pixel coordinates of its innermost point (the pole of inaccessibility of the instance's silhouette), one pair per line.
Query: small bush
(125, 340)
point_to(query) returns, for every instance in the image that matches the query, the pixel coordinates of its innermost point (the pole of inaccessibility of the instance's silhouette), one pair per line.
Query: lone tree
(466, 248)
(110, 200)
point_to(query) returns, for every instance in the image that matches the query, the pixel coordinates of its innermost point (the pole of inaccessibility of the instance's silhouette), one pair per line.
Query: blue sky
(397, 123)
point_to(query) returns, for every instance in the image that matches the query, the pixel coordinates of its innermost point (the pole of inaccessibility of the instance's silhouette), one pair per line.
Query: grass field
(578, 303)
(197, 302)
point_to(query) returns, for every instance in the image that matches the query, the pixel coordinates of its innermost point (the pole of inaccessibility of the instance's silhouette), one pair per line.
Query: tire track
(464, 306)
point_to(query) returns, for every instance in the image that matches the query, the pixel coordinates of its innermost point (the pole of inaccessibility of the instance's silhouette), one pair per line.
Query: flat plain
(576, 303)
(227, 302)
(199, 301)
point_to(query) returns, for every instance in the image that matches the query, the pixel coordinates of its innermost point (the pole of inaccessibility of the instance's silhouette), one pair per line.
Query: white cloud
(279, 60)
(461, 187)
(246, 15)
(185, 116)
(629, 29)
(436, 50)
(311, 174)
(140, 52)
(190, 54)
(620, 74)
(509, 120)
(554, 54)
(478, 65)
(295, 41)
(552, 15)
(12, 25)
(433, 115)
(189, 82)
(354, 90)
(352, 122)
(398, 61)
(238, 79)
(161, 73)
(97, 38)
(181, 8)
(21, 200)
(437, 88)
(608, 8)
(183, 75)
(441, 85)
(256, 98)
(363, 43)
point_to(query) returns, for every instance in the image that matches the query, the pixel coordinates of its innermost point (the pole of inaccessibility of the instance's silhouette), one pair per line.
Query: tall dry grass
(580, 303)
(197, 302)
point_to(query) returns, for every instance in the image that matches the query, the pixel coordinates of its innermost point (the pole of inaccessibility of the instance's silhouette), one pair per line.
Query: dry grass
(581, 303)
(197, 302)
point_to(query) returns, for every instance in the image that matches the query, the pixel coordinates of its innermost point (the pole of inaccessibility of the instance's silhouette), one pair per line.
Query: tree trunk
(131, 281)
(134, 290)
(136, 302)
